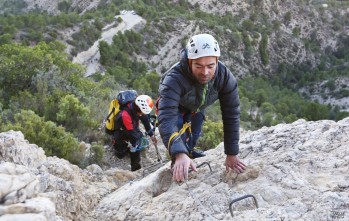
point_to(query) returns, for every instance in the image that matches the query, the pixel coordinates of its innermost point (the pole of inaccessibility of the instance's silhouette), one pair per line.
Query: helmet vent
(202, 45)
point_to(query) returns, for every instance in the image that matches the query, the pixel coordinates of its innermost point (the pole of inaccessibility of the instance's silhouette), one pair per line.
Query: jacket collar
(185, 69)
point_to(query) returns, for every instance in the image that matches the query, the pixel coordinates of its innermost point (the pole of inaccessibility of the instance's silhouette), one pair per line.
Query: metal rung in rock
(204, 163)
(241, 198)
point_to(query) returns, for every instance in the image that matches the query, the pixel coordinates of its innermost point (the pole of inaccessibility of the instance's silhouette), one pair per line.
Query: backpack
(122, 99)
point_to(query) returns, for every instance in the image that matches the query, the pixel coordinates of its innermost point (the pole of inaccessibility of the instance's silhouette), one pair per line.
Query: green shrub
(72, 114)
(263, 46)
(46, 134)
(287, 17)
(331, 85)
(96, 156)
(212, 135)
(296, 31)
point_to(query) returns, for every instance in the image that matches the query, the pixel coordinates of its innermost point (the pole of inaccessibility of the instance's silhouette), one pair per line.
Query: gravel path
(90, 58)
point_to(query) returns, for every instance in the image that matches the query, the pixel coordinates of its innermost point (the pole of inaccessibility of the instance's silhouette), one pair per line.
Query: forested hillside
(291, 59)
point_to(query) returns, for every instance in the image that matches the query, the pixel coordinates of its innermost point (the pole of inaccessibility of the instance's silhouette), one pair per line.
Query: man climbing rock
(194, 83)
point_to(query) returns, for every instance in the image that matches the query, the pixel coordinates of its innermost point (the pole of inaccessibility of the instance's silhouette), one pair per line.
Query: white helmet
(202, 45)
(145, 103)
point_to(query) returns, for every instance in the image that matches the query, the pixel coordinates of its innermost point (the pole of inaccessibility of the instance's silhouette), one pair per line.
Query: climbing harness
(241, 198)
(188, 139)
(177, 135)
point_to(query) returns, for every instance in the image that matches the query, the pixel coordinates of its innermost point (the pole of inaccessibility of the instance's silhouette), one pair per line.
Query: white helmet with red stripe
(145, 103)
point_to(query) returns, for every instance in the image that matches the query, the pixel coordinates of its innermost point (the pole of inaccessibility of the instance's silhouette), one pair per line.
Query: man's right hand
(181, 167)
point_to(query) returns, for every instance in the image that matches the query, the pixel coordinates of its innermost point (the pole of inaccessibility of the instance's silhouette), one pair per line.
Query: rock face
(36, 187)
(52, 6)
(297, 171)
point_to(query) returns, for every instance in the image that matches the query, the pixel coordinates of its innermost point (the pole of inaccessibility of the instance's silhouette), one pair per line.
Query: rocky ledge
(297, 171)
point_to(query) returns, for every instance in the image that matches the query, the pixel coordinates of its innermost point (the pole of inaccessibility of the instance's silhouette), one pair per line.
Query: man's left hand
(233, 162)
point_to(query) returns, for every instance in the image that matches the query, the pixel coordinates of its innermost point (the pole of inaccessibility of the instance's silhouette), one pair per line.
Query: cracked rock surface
(295, 171)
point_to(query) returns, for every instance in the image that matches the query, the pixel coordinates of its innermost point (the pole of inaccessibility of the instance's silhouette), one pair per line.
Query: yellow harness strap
(177, 135)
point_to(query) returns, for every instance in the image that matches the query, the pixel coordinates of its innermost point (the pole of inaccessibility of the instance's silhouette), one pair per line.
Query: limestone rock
(14, 148)
(295, 171)
(46, 188)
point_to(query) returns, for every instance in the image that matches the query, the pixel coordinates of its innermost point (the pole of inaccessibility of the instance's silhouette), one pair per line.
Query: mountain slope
(296, 171)
(290, 25)
(303, 43)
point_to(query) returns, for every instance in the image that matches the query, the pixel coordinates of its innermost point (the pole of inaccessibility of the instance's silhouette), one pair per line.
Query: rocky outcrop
(297, 171)
(36, 187)
(20, 195)
(52, 6)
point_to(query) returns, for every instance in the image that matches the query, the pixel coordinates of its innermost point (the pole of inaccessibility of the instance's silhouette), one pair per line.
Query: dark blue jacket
(180, 91)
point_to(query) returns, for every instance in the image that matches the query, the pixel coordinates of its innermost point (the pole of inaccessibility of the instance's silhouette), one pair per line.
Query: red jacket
(128, 122)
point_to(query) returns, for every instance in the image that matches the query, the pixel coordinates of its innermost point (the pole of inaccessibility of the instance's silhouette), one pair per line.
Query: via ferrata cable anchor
(241, 198)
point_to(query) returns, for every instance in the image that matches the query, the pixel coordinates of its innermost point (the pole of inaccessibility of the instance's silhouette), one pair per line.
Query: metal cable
(204, 209)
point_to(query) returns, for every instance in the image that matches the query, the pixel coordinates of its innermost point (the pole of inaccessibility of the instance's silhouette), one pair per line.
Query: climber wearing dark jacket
(128, 135)
(185, 90)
